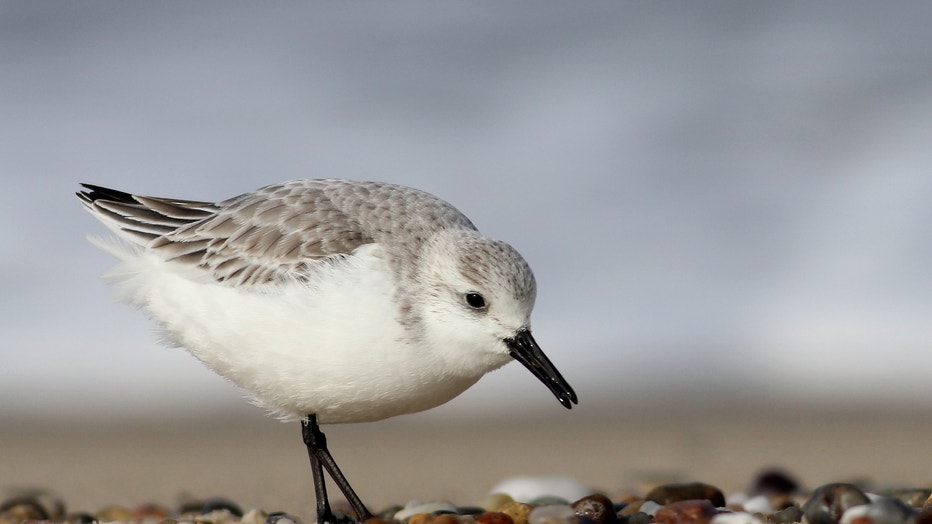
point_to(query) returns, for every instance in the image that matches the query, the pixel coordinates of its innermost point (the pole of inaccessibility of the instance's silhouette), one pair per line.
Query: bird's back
(277, 231)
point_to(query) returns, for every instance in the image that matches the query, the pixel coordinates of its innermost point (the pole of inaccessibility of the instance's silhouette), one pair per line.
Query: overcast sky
(715, 197)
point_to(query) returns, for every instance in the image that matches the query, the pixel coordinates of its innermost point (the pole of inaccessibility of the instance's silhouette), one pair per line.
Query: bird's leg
(312, 438)
(321, 459)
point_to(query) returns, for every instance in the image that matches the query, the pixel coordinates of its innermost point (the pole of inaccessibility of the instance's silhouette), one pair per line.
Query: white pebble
(736, 499)
(738, 517)
(650, 507)
(415, 506)
(758, 504)
(526, 489)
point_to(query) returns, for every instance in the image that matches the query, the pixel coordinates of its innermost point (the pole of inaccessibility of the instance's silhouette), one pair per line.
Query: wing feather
(276, 232)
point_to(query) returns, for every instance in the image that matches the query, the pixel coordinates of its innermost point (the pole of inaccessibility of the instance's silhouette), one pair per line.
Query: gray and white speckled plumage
(272, 233)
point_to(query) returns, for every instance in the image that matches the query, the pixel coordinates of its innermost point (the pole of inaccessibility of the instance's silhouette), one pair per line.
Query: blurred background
(726, 204)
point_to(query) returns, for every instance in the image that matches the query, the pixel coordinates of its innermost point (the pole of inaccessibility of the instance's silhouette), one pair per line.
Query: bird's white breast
(331, 346)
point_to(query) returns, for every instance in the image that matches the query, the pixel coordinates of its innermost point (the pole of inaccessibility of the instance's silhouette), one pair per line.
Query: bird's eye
(475, 300)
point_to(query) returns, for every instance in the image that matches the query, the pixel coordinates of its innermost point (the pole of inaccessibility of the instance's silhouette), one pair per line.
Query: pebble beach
(722, 464)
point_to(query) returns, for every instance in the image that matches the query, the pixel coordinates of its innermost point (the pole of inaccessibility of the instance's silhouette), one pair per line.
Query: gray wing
(276, 232)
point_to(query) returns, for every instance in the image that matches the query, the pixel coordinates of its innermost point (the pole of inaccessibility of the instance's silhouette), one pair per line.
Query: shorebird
(328, 301)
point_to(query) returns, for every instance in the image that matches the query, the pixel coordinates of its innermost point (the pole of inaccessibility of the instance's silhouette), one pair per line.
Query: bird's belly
(337, 350)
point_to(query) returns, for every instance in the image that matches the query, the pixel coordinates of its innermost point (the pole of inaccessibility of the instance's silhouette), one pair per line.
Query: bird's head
(479, 294)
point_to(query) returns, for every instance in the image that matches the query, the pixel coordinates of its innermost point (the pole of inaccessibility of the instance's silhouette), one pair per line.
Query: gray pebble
(829, 502)
(915, 497)
(884, 510)
(788, 515)
(552, 514)
(638, 517)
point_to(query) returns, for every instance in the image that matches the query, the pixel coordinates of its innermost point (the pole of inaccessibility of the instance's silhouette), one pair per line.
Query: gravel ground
(260, 463)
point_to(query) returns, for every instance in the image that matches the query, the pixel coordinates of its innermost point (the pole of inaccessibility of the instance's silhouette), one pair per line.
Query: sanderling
(328, 301)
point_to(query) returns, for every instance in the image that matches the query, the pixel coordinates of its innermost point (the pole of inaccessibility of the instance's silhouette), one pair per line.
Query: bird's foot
(336, 517)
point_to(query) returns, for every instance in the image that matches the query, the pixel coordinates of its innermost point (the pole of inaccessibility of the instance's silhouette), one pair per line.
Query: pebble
(254, 516)
(80, 518)
(882, 511)
(493, 517)
(680, 491)
(45, 504)
(596, 507)
(414, 507)
(495, 500)
(216, 516)
(151, 512)
(758, 504)
(434, 518)
(782, 501)
(220, 503)
(552, 514)
(686, 512)
(774, 497)
(114, 513)
(738, 517)
(19, 510)
(787, 515)
(518, 511)
(277, 518)
(637, 518)
(830, 501)
(528, 488)
(911, 496)
(774, 482)
(650, 507)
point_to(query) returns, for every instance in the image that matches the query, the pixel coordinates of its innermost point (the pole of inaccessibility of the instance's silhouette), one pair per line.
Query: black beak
(525, 350)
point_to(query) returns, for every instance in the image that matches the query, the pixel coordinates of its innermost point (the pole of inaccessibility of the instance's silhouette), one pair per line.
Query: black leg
(321, 459)
(324, 514)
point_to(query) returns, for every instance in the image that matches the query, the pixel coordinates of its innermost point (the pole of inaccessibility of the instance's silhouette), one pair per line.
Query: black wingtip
(96, 193)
